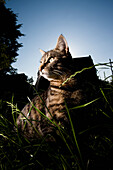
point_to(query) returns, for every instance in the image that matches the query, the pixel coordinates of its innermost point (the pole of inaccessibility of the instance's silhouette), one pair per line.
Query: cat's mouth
(48, 76)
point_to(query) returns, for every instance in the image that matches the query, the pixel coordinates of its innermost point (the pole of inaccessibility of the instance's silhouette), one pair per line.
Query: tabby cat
(56, 66)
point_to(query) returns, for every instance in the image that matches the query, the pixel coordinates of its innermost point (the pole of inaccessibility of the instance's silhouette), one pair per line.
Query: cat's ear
(42, 52)
(62, 44)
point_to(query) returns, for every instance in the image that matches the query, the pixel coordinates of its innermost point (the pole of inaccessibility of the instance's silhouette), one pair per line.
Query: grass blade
(74, 135)
(84, 105)
(106, 99)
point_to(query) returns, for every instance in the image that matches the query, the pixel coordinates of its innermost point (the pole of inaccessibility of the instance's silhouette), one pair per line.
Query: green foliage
(9, 33)
(88, 149)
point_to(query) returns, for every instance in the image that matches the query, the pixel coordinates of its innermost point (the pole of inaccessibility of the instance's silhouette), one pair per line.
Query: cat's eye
(51, 59)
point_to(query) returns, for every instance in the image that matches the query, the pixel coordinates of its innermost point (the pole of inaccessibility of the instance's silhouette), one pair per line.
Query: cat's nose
(41, 67)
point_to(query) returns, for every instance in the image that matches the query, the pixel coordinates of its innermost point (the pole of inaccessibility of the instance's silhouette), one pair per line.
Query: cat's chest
(57, 99)
(54, 102)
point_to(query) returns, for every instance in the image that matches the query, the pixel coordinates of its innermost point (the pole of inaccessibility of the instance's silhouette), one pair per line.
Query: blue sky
(86, 24)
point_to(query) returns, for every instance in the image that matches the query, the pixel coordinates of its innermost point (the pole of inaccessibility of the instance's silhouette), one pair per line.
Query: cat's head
(55, 64)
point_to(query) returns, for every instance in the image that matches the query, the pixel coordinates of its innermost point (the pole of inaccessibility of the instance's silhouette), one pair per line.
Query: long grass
(88, 149)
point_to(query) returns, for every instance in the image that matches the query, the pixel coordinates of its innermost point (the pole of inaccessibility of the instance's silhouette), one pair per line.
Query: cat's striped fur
(56, 66)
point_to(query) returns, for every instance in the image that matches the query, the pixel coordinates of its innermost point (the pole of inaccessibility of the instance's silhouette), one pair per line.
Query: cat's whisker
(60, 73)
(57, 73)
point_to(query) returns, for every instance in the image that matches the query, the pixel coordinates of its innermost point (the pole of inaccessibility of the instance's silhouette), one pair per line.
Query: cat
(56, 66)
